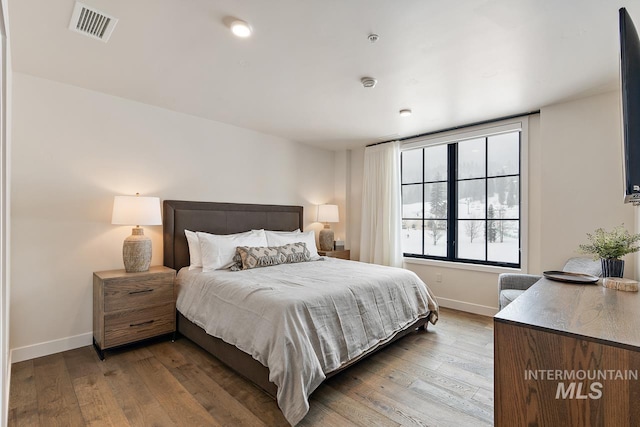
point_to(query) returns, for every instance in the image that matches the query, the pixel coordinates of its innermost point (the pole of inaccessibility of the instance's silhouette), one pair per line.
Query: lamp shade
(136, 210)
(328, 213)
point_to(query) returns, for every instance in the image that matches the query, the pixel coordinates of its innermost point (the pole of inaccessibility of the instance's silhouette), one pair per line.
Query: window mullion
(486, 198)
(452, 211)
(424, 210)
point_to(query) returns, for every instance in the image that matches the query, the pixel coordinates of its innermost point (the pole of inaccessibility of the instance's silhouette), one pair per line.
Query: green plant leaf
(612, 244)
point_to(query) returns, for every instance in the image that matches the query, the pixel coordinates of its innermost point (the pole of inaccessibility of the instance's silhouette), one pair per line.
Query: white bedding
(306, 319)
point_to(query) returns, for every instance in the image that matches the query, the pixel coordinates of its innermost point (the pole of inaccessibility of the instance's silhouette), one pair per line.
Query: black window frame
(452, 203)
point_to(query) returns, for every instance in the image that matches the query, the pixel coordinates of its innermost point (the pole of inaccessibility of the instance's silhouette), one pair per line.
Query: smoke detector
(91, 22)
(368, 81)
(373, 37)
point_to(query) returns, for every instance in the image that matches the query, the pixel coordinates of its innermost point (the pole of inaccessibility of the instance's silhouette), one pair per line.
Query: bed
(228, 218)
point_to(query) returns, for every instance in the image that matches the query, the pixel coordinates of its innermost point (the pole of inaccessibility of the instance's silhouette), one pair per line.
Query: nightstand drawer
(126, 294)
(133, 325)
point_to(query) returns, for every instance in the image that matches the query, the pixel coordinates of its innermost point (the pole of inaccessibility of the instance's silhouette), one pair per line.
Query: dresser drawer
(123, 294)
(128, 326)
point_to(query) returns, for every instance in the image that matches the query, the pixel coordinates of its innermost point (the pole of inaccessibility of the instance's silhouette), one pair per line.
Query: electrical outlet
(438, 277)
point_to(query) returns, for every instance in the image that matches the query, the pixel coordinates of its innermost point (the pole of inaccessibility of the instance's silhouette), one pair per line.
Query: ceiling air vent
(91, 22)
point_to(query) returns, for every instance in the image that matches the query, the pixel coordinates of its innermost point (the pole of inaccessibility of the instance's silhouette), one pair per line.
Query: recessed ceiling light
(405, 112)
(240, 28)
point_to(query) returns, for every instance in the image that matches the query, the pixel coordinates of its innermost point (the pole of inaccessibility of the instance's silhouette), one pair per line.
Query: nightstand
(129, 307)
(342, 254)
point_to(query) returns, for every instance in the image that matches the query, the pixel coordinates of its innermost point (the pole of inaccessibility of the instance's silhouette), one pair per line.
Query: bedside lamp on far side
(136, 210)
(327, 214)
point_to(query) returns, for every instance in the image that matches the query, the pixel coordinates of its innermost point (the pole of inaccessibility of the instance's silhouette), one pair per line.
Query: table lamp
(136, 210)
(327, 214)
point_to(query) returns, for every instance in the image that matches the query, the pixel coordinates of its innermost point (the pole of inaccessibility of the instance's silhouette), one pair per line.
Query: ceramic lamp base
(326, 239)
(136, 251)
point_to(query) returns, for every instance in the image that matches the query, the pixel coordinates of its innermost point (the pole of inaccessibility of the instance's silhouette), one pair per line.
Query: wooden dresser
(129, 307)
(568, 355)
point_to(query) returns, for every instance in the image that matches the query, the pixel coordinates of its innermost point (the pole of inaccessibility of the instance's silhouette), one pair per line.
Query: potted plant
(610, 247)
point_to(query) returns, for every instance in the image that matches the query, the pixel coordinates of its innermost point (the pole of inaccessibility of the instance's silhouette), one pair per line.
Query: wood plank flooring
(442, 377)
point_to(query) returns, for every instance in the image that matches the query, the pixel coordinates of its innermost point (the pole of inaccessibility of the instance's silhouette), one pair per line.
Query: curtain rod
(484, 122)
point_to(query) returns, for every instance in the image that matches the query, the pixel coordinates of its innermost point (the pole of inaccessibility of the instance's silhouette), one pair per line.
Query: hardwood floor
(443, 377)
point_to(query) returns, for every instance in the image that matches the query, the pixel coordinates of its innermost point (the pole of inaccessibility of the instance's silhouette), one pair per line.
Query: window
(461, 197)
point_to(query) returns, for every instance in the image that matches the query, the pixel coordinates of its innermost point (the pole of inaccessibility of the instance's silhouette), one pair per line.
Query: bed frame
(227, 218)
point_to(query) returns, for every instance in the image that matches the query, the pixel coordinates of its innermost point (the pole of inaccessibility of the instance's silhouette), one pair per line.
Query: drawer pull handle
(148, 322)
(140, 292)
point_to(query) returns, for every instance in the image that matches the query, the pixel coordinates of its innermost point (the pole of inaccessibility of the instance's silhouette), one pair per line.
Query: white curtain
(380, 227)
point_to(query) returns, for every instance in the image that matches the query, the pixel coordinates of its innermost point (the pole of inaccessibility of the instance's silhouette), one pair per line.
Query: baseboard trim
(469, 307)
(29, 352)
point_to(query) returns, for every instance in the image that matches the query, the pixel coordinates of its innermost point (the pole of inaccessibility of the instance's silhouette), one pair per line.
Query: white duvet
(304, 320)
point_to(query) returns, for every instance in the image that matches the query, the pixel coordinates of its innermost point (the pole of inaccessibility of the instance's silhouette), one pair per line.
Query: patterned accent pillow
(263, 256)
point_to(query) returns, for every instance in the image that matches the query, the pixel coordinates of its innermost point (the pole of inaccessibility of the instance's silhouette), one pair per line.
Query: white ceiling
(298, 76)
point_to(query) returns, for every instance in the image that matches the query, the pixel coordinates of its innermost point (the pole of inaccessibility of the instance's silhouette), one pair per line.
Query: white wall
(5, 142)
(356, 174)
(575, 186)
(74, 149)
(582, 184)
(340, 190)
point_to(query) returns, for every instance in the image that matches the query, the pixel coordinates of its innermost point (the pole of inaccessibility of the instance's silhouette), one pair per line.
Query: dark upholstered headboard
(219, 218)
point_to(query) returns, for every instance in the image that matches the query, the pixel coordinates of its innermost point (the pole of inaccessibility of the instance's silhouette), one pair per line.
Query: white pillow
(282, 233)
(276, 239)
(194, 249)
(218, 250)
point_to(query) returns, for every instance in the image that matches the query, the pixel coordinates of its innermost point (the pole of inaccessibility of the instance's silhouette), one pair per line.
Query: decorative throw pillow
(252, 257)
